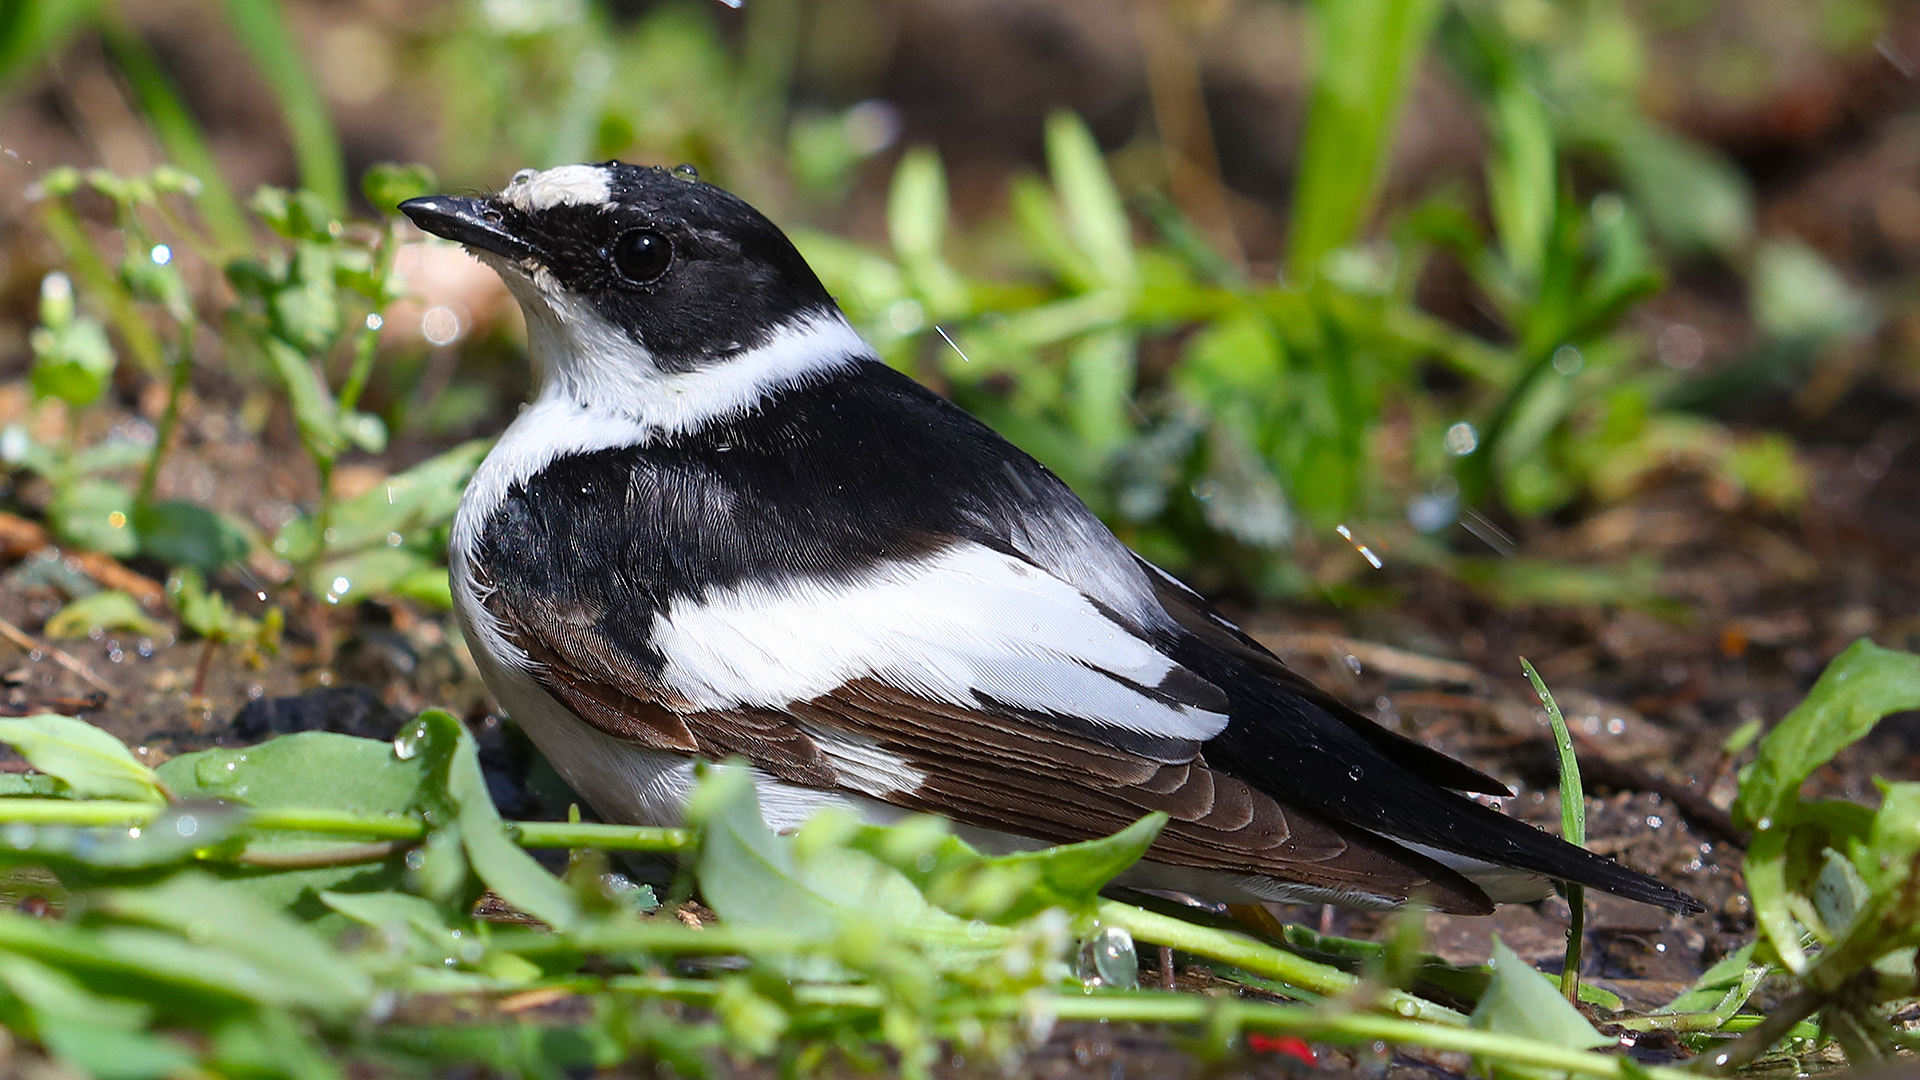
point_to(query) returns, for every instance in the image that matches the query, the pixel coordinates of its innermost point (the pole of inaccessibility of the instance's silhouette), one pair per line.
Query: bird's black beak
(468, 221)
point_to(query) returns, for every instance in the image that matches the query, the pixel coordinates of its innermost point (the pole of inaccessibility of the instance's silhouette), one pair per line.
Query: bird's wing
(1198, 618)
(969, 683)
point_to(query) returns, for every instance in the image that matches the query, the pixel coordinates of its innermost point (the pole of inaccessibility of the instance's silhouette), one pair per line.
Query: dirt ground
(1755, 604)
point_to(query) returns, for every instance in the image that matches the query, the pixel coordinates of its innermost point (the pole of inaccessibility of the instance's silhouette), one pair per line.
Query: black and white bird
(725, 528)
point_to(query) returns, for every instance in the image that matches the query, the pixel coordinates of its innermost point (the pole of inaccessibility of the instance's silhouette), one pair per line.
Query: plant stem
(593, 834)
(369, 337)
(1244, 952)
(1150, 1006)
(170, 418)
(101, 813)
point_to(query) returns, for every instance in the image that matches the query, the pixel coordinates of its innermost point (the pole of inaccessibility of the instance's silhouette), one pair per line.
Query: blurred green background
(1286, 290)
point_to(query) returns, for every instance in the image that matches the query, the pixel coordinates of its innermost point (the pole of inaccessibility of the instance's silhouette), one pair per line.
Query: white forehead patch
(567, 185)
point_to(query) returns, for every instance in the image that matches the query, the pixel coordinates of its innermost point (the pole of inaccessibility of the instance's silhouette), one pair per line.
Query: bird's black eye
(642, 255)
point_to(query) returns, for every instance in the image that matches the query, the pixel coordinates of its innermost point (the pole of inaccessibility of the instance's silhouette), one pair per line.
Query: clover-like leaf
(91, 763)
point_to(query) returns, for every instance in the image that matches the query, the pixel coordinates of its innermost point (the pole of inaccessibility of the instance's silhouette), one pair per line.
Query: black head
(687, 272)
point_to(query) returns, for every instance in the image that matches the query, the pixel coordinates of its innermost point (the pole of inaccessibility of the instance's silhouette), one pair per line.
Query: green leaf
(180, 533)
(1694, 198)
(1522, 178)
(94, 1035)
(418, 919)
(1365, 55)
(308, 769)
(422, 497)
(1863, 684)
(1798, 294)
(917, 206)
(107, 610)
(286, 963)
(1723, 988)
(387, 185)
(1895, 840)
(1521, 1001)
(820, 890)
(503, 865)
(1005, 888)
(312, 402)
(1100, 370)
(1096, 219)
(917, 214)
(305, 310)
(29, 785)
(91, 763)
(73, 363)
(204, 611)
(95, 515)
(374, 572)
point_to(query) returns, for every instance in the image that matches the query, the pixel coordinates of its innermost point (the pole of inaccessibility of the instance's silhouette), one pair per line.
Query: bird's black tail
(1482, 832)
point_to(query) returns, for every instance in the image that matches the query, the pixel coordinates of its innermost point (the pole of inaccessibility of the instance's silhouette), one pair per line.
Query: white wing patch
(966, 622)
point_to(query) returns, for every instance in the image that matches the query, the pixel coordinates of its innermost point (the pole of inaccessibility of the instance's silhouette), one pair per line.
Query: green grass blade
(1366, 55)
(32, 31)
(316, 145)
(177, 131)
(1573, 827)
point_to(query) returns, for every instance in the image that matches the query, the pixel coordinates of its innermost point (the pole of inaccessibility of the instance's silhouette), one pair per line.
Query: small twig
(60, 656)
(20, 538)
(201, 668)
(1386, 659)
(1166, 967)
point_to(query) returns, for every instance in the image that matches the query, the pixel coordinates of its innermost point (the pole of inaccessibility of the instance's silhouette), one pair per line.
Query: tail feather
(1487, 834)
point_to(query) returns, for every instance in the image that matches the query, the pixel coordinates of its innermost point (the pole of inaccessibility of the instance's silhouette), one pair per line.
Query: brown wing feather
(604, 686)
(982, 769)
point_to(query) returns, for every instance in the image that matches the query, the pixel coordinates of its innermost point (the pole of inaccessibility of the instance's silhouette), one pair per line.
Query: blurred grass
(1220, 416)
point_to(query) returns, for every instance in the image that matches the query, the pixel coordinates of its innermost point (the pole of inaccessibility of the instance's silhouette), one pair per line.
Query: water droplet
(161, 254)
(524, 175)
(441, 325)
(416, 859)
(1462, 439)
(19, 836)
(1763, 824)
(1108, 959)
(1568, 361)
(1356, 772)
(685, 172)
(374, 321)
(394, 539)
(133, 833)
(406, 745)
(186, 825)
(1353, 663)
(1405, 1008)
(232, 765)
